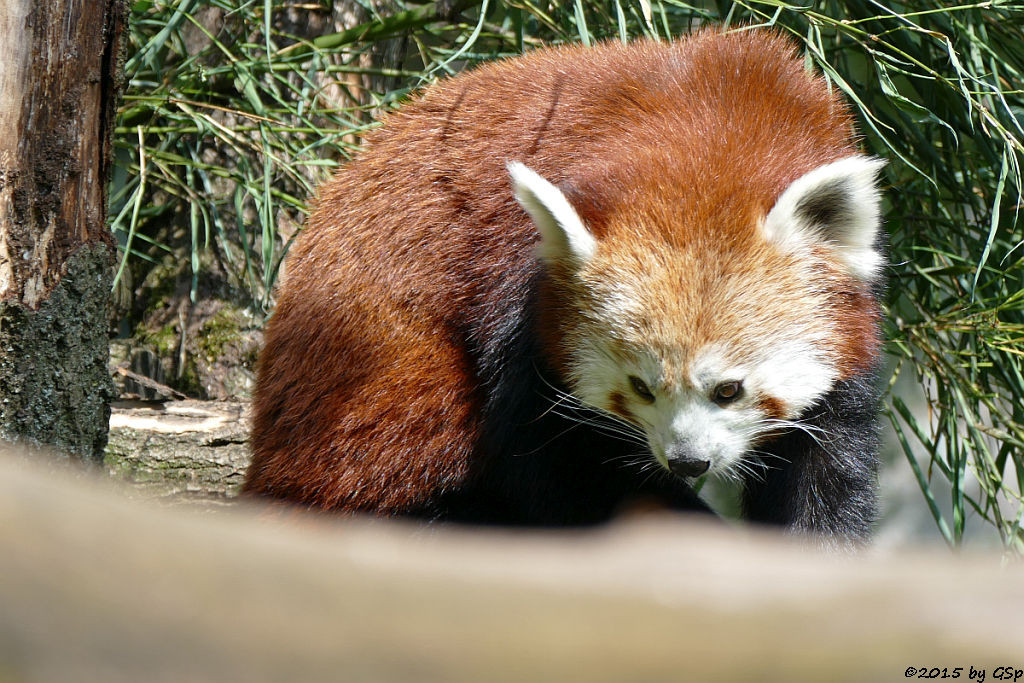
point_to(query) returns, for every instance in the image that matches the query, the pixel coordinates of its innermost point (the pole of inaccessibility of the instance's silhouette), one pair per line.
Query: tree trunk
(59, 84)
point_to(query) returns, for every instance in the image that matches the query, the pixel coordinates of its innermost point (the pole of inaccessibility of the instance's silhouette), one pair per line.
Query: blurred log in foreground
(97, 587)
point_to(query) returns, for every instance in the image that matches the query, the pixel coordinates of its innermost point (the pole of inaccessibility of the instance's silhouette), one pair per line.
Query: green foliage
(234, 114)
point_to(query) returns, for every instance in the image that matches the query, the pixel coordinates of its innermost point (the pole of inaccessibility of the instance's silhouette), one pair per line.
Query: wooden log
(180, 451)
(97, 587)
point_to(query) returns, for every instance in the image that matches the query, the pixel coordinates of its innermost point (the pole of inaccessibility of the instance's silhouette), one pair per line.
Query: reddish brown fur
(619, 406)
(367, 396)
(771, 407)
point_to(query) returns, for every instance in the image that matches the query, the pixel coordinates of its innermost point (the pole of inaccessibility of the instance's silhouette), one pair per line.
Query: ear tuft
(562, 233)
(837, 205)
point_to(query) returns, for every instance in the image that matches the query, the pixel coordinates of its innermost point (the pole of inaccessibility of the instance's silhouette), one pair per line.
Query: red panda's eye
(727, 392)
(641, 389)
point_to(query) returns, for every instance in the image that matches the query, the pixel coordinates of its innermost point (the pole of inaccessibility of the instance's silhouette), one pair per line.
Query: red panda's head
(714, 342)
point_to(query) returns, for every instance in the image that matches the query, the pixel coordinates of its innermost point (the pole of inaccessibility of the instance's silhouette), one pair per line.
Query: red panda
(560, 282)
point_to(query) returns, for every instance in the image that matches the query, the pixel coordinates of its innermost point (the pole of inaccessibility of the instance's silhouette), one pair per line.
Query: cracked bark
(58, 94)
(192, 452)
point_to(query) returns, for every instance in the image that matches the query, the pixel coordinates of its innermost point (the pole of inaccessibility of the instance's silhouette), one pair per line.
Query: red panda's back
(714, 119)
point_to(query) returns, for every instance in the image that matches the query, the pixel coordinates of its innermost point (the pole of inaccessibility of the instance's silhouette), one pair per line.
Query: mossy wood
(58, 92)
(179, 451)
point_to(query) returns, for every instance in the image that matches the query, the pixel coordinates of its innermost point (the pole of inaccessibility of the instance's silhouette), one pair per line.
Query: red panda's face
(711, 346)
(708, 353)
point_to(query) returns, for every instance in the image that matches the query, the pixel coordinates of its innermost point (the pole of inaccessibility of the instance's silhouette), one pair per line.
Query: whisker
(820, 436)
(556, 437)
(637, 462)
(752, 468)
(610, 428)
(654, 471)
(571, 408)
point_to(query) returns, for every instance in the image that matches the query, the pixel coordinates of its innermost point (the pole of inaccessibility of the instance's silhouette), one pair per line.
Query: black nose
(689, 468)
(685, 463)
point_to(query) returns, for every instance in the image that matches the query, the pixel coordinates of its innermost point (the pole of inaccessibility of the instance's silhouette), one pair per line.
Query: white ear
(562, 234)
(836, 204)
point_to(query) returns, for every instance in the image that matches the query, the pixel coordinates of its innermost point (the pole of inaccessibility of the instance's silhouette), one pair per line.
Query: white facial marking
(594, 372)
(563, 235)
(712, 432)
(836, 205)
(597, 370)
(796, 374)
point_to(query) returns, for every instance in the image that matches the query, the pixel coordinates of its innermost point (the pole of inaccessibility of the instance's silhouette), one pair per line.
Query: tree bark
(180, 451)
(59, 85)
